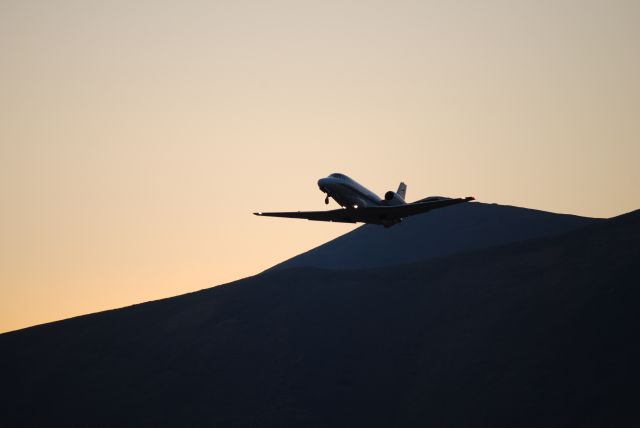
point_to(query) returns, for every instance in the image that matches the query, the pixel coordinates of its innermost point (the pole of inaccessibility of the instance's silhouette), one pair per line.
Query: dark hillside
(441, 232)
(537, 333)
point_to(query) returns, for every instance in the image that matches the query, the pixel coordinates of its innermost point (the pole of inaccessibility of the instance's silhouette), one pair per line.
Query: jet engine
(392, 198)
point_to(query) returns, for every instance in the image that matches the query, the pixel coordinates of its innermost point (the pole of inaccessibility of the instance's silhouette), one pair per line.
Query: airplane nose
(327, 184)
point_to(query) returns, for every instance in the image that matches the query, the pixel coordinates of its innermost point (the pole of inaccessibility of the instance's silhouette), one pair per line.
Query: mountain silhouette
(439, 233)
(539, 332)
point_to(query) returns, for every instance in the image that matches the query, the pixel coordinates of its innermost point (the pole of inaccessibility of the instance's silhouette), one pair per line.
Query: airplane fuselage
(348, 192)
(360, 205)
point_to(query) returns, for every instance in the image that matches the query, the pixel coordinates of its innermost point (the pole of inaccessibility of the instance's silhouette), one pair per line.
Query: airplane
(360, 205)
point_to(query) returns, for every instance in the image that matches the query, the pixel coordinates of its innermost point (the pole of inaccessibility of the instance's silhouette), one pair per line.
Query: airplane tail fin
(402, 190)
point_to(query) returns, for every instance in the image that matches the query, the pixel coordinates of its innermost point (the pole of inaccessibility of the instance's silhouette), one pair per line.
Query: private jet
(360, 205)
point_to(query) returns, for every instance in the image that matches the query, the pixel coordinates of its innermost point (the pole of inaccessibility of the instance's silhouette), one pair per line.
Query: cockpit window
(338, 175)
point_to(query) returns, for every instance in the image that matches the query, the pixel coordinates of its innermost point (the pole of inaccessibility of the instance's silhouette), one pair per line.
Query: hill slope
(538, 333)
(438, 233)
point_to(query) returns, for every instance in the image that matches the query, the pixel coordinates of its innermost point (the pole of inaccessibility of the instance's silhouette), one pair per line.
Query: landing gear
(326, 200)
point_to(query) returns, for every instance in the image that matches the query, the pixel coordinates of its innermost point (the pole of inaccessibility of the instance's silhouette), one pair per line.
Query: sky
(137, 137)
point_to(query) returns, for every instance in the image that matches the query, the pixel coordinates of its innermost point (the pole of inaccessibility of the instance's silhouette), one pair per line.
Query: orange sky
(138, 137)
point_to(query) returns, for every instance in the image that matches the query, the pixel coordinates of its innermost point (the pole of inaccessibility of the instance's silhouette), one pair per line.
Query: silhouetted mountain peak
(538, 332)
(438, 233)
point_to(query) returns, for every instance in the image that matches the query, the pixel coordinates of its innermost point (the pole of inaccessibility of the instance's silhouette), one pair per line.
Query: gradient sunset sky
(137, 137)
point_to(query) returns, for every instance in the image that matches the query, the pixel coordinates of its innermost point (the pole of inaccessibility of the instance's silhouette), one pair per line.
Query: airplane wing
(419, 207)
(376, 215)
(386, 215)
(341, 215)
